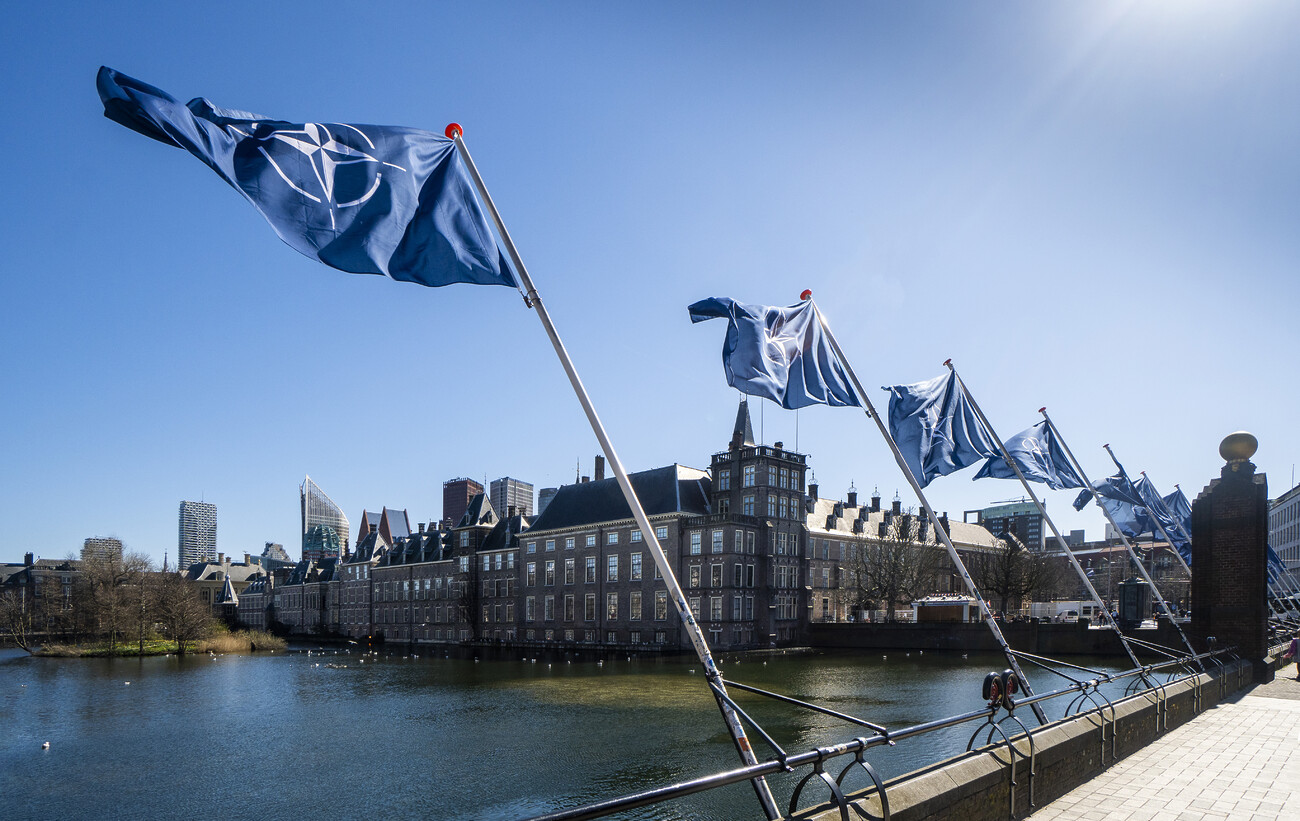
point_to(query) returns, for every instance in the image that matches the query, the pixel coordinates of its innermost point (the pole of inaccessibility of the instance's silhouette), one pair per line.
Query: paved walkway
(1240, 760)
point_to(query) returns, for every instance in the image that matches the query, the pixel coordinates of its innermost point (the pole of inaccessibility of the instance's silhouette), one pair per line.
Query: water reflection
(338, 736)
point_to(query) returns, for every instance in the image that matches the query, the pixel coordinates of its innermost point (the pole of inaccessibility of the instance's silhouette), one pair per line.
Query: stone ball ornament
(1238, 447)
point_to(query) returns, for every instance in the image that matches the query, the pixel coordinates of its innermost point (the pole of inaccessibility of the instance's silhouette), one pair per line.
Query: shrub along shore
(242, 641)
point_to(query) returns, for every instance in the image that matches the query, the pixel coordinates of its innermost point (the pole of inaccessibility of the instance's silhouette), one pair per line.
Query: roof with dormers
(829, 518)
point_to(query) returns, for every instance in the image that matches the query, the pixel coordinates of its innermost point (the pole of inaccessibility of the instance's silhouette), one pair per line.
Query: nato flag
(936, 429)
(1155, 506)
(1039, 458)
(361, 198)
(778, 353)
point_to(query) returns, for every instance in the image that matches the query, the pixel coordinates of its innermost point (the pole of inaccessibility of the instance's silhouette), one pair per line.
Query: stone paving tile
(1240, 760)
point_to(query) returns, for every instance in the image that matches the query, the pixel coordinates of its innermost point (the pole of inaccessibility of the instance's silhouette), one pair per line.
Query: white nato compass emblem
(347, 172)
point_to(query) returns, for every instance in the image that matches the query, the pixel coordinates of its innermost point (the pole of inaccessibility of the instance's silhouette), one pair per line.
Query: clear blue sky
(1089, 206)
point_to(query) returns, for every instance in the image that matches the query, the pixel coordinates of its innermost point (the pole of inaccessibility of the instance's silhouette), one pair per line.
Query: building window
(715, 608)
(749, 542)
(510, 565)
(717, 541)
(747, 505)
(693, 576)
(661, 533)
(611, 606)
(568, 543)
(464, 538)
(737, 575)
(550, 572)
(550, 545)
(771, 507)
(611, 571)
(747, 476)
(611, 637)
(782, 511)
(548, 608)
(569, 571)
(635, 536)
(591, 540)
(771, 475)
(694, 603)
(724, 478)
(661, 605)
(487, 561)
(785, 478)
(695, 543)
(589, 607)
(736, 607)
(532, 547)
(530, 609)
(591, 570)
(568, 611)
(530, 574)
(634, 605)
(634, 562)
(715, 575)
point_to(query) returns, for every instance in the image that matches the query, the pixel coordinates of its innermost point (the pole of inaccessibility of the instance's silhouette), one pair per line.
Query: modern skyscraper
(507, 493)
(324, 527)
(456, 494)
(101, 547)
(198, 534)
(544, 497)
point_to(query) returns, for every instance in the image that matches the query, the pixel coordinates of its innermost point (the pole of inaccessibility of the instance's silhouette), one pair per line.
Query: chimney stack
(853, 498)
(600, 468)
(779, 445)
(875, 502)
(510, 511)
(812, 491)
(29, 560)
(246, 559)
(221, 558)
(898, 508)
(421, 528)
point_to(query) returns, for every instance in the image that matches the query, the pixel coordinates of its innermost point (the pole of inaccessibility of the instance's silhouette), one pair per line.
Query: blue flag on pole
(1180, 509)
(1121, 501)
(936, 429)
(1155, 505)
(778, 353)
(361, 198)
(1039, 458)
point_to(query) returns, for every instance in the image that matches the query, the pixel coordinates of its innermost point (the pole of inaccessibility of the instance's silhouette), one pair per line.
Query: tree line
(120, 599)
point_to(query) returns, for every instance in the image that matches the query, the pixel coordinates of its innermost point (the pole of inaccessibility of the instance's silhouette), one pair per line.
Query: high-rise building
(544, 497)
(456, 494)
(506, 493)
(102, 547)
(324, 527)
(1021, 519)
(198, 534)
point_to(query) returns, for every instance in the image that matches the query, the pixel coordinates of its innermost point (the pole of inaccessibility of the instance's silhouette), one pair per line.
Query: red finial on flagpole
(453, 131)
(1043, 409)
(947, 363)
(806, 295)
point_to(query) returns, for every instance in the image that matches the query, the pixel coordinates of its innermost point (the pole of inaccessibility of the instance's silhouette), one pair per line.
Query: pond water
(329, 734)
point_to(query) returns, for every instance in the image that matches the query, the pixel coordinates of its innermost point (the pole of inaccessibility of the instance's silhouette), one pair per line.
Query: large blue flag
(361, 198)
(778, 353)
(936, 429)
(1180, 508)
(1039, 458)
(1121, 501)
(1159, 514)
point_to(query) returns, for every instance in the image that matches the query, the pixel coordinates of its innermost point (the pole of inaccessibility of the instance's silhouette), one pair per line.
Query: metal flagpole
(1155, 591)
(1154, 519)
(934, 518)
(533, 300)
(1275, 584)
(1042, 511)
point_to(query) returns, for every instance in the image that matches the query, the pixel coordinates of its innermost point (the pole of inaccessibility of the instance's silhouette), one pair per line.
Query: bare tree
(178, 608)
(1010, 572)
(898, 567)
(17, 619)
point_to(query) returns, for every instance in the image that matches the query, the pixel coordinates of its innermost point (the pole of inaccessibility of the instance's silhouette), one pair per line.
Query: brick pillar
(1229, 557)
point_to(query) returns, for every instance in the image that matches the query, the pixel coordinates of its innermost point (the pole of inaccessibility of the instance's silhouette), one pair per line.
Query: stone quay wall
(977, 786)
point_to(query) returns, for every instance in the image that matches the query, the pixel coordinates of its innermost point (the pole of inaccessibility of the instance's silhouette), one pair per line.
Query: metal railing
(1084, 692)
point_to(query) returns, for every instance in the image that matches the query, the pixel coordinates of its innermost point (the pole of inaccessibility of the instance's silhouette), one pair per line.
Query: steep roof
(480, 512)
(743, 433)
(671, 489)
